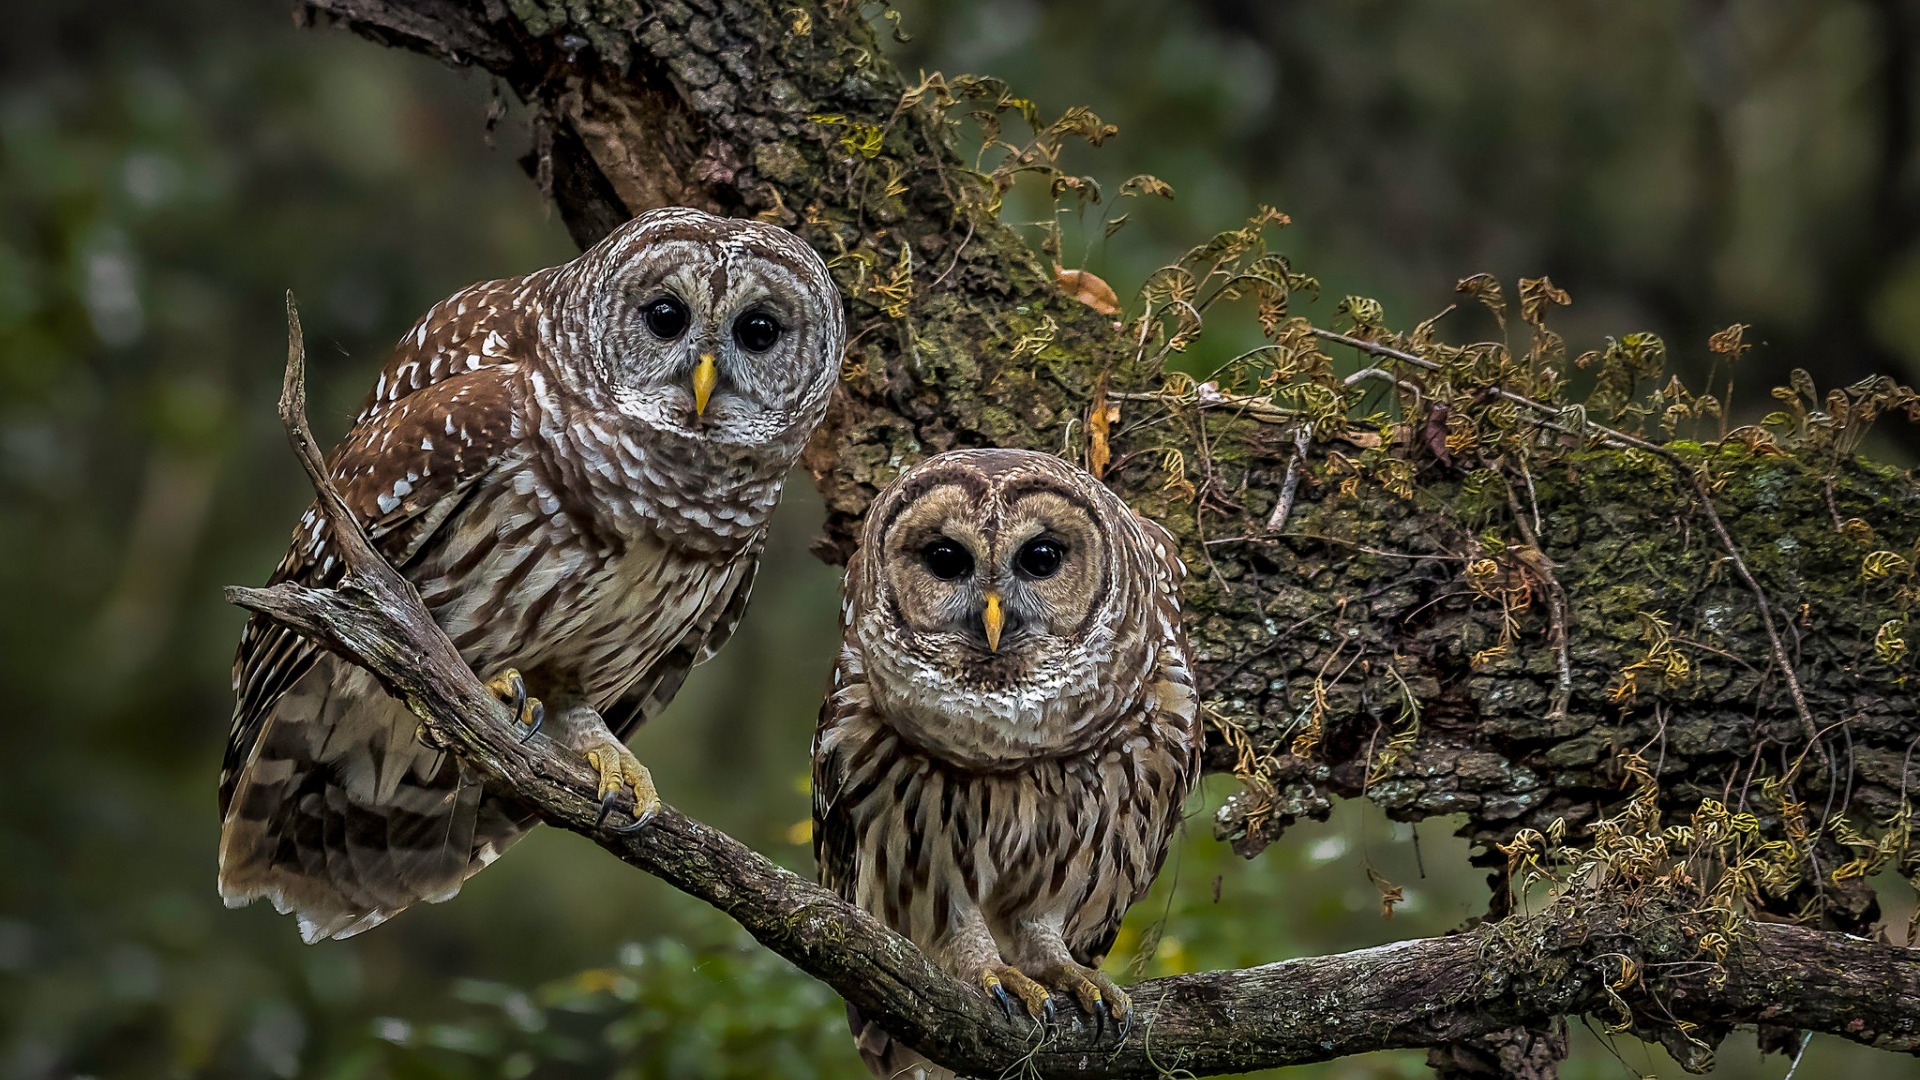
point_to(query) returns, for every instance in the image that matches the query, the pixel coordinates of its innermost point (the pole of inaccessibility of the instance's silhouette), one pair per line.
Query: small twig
(1255, 408)
(1766, 610)
(1383, 375)
(1557, 606)
(1290, 486)
(956, 257)
(1620, 438)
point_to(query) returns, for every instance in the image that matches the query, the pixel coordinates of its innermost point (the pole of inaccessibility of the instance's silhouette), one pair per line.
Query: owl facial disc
(1000, 586)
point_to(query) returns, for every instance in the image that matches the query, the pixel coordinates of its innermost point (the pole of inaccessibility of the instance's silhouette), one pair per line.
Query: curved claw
(511, 690)
(1008, 985)
(1005, 999)
(641, 819)
(620, 772)
(1103, 1002)
(1123, 1023)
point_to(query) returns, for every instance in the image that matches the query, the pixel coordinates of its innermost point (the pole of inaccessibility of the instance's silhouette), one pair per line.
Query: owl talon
(620, 771)
(1099, 998)
(1000, 994)
(642, 817)
(1037, 1000)
(528, 711)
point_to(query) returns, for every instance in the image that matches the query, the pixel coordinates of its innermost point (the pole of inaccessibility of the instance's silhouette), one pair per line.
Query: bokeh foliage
(167, 170)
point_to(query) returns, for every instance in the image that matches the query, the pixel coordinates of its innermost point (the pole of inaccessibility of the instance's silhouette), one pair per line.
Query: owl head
(1006, 605)
(714, 329)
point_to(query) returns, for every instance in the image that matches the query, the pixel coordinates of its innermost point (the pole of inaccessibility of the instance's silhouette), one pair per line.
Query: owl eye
(1040, 557)
(756, 331)
(946, 560)
(667, 318)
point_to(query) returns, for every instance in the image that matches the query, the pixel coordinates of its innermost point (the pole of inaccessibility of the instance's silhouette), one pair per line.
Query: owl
(1012, 728)
(575, 469)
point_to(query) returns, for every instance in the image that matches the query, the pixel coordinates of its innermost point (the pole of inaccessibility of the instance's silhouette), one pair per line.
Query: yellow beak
(994, 620)
(705, 377)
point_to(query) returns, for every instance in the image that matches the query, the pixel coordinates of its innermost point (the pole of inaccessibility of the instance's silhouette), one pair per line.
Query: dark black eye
(756, 331)
(946, 560)
(667, 318)
(1040, 557)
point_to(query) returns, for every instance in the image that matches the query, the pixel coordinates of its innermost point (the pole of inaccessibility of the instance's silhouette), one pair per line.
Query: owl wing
(710, 631)
(833, 833)
(440, 419)
(833, 829)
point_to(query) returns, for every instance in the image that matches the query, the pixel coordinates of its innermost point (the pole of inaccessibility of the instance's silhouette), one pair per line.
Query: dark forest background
(167, 170)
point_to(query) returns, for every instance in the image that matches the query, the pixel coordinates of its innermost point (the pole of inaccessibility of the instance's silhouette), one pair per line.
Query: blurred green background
(167, 170)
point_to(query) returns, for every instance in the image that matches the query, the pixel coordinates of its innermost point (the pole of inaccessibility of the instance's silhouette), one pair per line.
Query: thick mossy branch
(1477, 602)
(1570, 959)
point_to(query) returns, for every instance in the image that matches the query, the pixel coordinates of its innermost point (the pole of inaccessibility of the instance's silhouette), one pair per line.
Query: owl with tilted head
(1012, 729)
(575, 468)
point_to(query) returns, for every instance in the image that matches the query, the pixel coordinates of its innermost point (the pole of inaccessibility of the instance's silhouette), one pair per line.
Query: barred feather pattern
(531, 460)
(1030, 802)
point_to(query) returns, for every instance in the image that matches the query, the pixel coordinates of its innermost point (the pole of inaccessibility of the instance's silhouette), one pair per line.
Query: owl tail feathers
(886, 1058)
(321, 915)
(343, 864)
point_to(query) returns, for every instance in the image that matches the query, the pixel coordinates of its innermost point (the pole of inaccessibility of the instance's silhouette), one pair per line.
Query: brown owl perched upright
(1012, 728)
(575, 468)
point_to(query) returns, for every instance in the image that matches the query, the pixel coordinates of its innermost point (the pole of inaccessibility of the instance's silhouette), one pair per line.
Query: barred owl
(575, 468)
(1012, 728)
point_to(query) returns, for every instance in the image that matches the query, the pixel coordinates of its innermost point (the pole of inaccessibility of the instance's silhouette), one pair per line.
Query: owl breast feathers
(575, 468)
(1012, 729)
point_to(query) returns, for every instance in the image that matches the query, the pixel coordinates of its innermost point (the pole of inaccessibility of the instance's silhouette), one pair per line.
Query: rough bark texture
(1773, 677)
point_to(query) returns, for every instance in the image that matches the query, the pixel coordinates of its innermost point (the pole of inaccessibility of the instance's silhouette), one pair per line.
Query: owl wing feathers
(834, 841)
(438, 421)
(833, 833)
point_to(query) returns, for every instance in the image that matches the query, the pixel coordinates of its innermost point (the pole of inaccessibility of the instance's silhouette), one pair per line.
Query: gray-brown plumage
(1012, 729)
(575, 468)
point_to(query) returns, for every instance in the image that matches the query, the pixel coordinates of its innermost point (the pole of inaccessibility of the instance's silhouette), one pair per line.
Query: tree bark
(1500, 609)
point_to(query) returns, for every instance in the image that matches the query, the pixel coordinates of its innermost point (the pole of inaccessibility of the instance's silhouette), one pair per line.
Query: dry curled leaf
(1730, 342)
(1088, 289)
(1100, 418)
